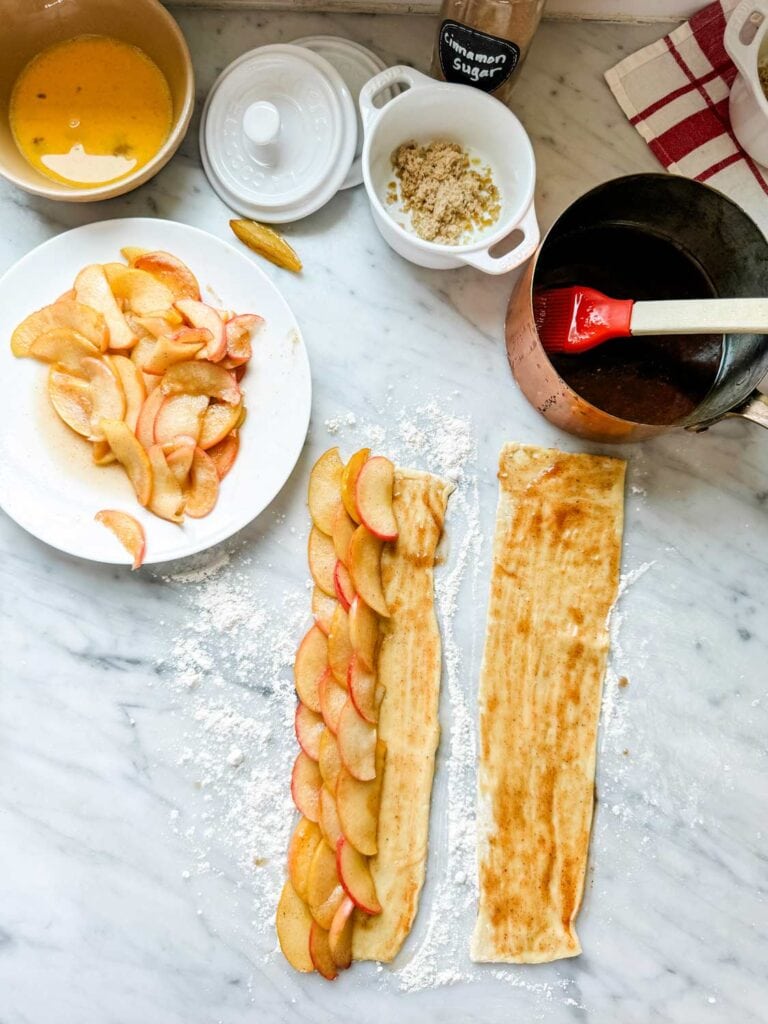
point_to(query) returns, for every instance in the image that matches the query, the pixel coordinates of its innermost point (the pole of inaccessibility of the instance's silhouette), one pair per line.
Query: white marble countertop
(138, 867)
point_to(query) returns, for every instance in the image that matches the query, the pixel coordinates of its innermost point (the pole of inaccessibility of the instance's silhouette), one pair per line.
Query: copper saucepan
(646, 236)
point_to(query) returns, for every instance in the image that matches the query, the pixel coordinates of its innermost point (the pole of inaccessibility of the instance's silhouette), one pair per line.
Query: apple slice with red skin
(329, 822)
(174, 274)
(169, 349)
(301, 850)
(320, 952)
(309, 728)
(365, 569)
(332, 699)
(341, 533)
(306, 783)
(355, 876)
(294, 925)
(330, 760)
(203, 489)
(342, 583)
(362, 686)
(324, 891)
(200, 314)
(322, 560)
(145, 424)
(224, 453)
(357, 743)
(180, 415)
(324, 490)
(340, 934)
(339, 646)
(219, 419)
(238, 330)
(364, 631)
(128, 531)
(349, 481)
(179, 454)
(373, 498)
(323, 608)
(310, 665)
(357, 805)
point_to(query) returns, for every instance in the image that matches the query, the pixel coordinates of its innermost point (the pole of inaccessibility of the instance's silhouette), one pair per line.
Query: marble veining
(124, 897)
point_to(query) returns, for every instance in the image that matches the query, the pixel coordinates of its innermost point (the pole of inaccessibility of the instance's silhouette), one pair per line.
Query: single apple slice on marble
(324, 891)
(357, 743)
(357, 804)
(342, 583)
(340, 934)
(128, 531)
(349, 481)
(309, 728)
(364, 632)
(365, 569)
(325, 490)
(373, 496)
(310, 665)
(323, 608)
(355, 876)
(339, 646)
(332, 699)
(322, 560)
(306, 782)
(301, 850)
(294, 924)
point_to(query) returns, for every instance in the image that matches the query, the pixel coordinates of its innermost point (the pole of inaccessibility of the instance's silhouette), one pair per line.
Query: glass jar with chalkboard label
(483, 43)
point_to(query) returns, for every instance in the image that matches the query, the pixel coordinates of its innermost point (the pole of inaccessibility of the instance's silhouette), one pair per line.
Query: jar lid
(356, 64)
(278, 133)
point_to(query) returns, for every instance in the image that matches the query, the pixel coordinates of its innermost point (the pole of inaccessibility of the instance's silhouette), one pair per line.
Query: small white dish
(431, 110)
(746, 42)
(48, 483)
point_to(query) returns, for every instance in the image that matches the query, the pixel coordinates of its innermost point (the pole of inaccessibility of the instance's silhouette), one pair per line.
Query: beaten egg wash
(90, 110)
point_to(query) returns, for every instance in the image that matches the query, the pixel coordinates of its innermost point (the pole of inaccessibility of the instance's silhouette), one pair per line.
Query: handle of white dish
(744, 55)
(400, 74)
(517, 256)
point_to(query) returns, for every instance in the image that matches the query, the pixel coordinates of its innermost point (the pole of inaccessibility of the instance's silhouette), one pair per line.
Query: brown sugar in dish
(445, 196)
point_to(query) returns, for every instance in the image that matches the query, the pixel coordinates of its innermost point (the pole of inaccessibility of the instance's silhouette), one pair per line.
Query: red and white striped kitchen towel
(675, 92)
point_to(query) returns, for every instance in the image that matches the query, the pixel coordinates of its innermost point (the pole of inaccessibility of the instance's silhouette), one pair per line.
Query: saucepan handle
(755, 409)
(400, 74)
(744, 55)
(525, 248)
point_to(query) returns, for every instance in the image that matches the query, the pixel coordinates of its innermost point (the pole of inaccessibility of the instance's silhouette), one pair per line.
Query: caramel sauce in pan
(658, 379)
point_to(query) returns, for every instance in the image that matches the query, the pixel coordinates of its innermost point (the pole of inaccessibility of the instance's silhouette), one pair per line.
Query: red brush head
(573, 320)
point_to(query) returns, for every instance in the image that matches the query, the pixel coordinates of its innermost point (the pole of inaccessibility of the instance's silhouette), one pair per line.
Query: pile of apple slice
(150, 375)
(337, 777)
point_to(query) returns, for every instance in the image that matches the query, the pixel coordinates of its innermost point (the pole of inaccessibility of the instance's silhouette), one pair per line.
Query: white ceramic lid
(356, 64)
(278, 133)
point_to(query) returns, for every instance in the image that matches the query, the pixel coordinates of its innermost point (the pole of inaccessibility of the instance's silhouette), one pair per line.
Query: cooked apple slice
(363, 631)
(361, 683)
(332, 699)
(180, 415)
(107, 396)
(342, 584)
(200, 314)
(131, 253)
(179, 347)
(322, 561)
(179, 454)
(145, 425)
(203, 486)
(355, 876)
(323, 608)
(342, 530)
(301, 850)
(324, 891)
(340, 934)
(373, 495)
(160, 326)
(329, 822)
(201, 378)
(309, 728)
(137, 290)
(65, 313)
(365, 569)
(339, 646)
(310, 665)
(324, 489)
(357, 743)
(329, 762)
(224, 453)
(133, 387)
(239, 330)
(140, 353)
(128, 531)
(320, 953)
(174, 274)
(71, 398)
(131, 456)
(64, 346)
(102, 454)
(92, 289)
(358, 803)
(167, 500)
(349, 481)
(294, 924)
(219, 419)
(305, 786)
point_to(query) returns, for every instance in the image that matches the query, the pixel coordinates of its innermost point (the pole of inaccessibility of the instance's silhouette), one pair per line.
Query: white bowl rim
(488, 241)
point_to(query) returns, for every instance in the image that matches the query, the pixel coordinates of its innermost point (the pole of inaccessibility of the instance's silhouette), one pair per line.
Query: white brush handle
(700, 316)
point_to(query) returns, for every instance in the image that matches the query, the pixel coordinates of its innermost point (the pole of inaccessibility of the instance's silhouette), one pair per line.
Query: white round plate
(48, 482)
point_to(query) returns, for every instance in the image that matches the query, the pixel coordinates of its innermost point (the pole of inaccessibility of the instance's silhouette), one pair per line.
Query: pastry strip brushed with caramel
(555, 575)
(409, 667)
